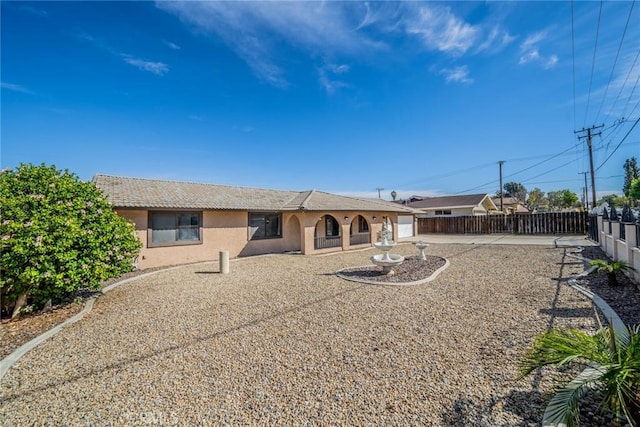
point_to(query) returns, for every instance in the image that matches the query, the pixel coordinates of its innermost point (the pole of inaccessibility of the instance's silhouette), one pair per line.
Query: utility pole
(379, 190)
(589, 135)
(501, 162)
(585, 197)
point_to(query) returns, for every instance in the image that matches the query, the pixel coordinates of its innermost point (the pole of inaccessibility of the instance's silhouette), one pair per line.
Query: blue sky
(347, 97)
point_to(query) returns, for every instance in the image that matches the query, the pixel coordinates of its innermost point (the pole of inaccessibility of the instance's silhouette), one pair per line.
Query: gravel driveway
(283, 341)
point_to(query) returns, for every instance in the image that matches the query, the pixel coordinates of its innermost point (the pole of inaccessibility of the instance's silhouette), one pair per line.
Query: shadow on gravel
(467, 412)
(464, 412)
(554, 311)
(529, 405)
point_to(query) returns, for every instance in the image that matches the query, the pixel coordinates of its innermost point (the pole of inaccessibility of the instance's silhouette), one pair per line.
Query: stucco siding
(221, 231)
(227, 230)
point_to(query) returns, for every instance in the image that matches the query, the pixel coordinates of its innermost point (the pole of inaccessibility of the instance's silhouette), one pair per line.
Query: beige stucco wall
(228, 231)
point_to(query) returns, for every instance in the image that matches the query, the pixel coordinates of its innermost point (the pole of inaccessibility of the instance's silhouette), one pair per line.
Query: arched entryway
(360, 231)
(293, 233)
(327, 233)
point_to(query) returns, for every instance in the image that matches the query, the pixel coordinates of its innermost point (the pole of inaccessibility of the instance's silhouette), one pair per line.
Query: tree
(612, 373)
(515, 189)
(562, 199)
(59, 234)
(634, 190)
(536, 199)
(613, 200)
(631, 172)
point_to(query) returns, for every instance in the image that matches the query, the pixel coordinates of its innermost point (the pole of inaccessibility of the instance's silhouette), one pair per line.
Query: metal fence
(359, 238)
(328, 242)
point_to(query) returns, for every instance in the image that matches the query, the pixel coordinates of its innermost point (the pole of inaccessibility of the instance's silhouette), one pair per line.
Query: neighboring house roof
(510, 202)
(449, 202)
(126, 192)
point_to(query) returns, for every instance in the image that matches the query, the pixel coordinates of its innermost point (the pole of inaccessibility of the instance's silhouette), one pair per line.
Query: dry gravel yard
(283, 341)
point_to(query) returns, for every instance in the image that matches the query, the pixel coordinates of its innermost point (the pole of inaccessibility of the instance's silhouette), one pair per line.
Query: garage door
(405, 226)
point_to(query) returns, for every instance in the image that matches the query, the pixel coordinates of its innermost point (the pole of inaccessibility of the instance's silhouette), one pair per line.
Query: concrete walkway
(554, 240)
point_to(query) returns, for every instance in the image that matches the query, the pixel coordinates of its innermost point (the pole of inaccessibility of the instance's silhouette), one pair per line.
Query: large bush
(59, 234)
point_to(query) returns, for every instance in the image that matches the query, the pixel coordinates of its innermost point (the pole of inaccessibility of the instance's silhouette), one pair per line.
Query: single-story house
(463, 205)
(183, 222)
(510, 205)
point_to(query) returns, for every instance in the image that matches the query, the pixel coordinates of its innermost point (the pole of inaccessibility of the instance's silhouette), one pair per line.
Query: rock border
(429, 278)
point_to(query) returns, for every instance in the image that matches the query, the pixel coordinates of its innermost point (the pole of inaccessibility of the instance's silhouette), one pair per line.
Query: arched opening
(359, 233)
(293, 233)
(327, 233)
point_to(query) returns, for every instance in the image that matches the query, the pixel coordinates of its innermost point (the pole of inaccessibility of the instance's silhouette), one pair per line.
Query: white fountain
(386, 260)
(421, 247)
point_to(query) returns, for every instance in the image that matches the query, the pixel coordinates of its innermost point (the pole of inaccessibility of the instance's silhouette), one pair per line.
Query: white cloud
(243, 128)
(154, 67)
(457, 74)
(256, 32)
(327, 76)
(441, 30)
(496, 41)
(172, 45)
(550, 62)
(260, 33)
(34, 11)
(157, 68)
(530, 52)
(15, 88)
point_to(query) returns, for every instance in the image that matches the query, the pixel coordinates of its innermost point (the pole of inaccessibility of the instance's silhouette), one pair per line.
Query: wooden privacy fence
(541, 223)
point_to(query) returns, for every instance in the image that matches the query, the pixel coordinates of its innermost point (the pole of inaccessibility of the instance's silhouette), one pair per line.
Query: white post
(224, 262)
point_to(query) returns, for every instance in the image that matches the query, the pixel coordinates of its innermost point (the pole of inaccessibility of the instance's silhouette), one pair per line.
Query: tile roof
(467, 200)
(127, 192)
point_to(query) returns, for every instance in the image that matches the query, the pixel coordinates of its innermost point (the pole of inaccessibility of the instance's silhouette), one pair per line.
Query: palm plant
(612, 367)
(611, 268)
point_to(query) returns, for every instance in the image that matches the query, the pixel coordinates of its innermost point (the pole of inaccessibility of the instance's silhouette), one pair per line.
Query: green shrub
(612, 363)
(611, 269)
(58, 234)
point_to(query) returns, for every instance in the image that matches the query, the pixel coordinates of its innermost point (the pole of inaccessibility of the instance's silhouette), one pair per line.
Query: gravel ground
(283, 341)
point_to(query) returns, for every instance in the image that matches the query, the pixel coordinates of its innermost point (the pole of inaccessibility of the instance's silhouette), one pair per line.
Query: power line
(539, 163)
(552, 170)
(625, 80)
(465, 171)
(593, 63)
(573, 61)
(619, 144)
(493, 182)
(631, 94)
(615, 61)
